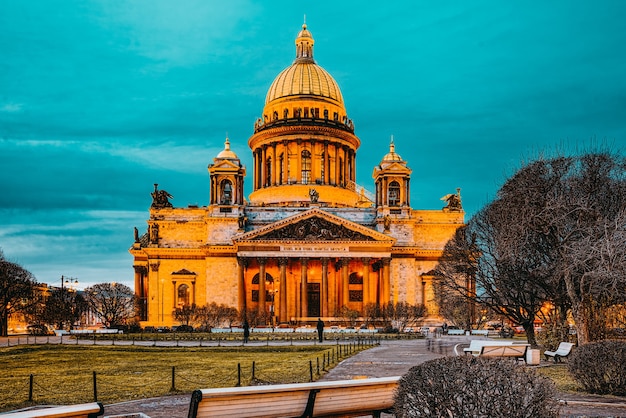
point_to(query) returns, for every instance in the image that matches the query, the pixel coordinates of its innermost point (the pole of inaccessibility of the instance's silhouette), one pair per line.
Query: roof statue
(453, 201)
(160, 198)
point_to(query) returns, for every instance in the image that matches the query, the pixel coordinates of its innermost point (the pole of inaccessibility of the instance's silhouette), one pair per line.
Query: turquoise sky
(101, 99)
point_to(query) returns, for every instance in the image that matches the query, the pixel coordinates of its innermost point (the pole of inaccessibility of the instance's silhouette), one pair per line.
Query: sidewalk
(391, 358)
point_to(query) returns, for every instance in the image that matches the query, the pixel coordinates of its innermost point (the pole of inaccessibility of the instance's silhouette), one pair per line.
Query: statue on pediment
(314, 195)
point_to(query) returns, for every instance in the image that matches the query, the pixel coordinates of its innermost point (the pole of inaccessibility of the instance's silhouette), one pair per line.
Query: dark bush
(600, 367)
(468, 386)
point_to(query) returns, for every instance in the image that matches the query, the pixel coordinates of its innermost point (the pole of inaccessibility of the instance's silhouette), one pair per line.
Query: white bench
(85, 410)
(346, 398)
(517, 351)
(476, 345)
(564, 349)
(480, 332)
(456, 332)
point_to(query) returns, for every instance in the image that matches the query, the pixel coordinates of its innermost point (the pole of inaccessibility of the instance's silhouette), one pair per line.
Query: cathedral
(308, 242)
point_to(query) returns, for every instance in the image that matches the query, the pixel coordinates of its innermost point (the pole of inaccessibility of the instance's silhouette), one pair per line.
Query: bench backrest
(341, 397)
(85, 410)
(517, 350)
(476, 345)
(564, 349)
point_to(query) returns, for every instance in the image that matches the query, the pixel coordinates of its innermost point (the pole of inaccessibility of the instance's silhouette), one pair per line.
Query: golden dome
(304, 76)
(392, 155)
(226, 153)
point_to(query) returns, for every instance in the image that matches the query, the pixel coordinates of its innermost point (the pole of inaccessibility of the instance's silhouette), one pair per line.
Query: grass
(559, 375)
(64, 374)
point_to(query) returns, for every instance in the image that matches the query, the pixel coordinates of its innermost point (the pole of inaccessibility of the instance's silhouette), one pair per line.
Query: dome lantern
(304, 45)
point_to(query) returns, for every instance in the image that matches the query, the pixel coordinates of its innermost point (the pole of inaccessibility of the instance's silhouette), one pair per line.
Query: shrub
(468, 386)
(600, 367)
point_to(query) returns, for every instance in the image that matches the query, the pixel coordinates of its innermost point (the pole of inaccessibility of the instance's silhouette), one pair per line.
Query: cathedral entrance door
(313, 298)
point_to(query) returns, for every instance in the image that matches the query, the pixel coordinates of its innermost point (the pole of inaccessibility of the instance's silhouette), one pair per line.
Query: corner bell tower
(227, 176)
(392, 178)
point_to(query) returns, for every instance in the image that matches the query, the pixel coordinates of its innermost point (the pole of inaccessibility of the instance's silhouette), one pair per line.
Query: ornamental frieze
(315, 229)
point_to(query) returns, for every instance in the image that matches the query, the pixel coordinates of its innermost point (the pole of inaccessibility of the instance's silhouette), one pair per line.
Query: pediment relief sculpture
(315, 229)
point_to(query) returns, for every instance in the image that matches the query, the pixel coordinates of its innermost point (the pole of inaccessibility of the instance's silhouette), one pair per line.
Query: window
(394, 194)
(306, 166)
(355, 278)
(323, 175)
(183, 295)
(269, 291)
(268, 172)
(227, 192)
(281, 171)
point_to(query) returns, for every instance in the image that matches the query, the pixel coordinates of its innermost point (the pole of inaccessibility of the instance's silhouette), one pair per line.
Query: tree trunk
(529, 328)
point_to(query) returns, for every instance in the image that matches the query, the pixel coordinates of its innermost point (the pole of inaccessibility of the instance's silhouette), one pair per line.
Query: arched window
(275, 115)
(355, 291)
(227, 192)
(286, 113)
(268, 172)
(281, 171)
(183, 295)
(394, 194)
(326, 114)
(269, 291)
(306, 166)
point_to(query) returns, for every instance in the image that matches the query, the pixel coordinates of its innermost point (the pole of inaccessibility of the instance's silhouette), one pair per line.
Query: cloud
(11, 107)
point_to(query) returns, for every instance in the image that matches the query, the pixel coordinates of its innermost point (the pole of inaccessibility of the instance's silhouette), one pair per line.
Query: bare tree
(214, 315)
(186, 314)
(63, 307)
(555, 233)
(112, 303)
(16, 291)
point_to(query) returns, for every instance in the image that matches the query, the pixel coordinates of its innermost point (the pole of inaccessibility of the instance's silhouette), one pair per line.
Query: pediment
(315, 225)
(224, 164)
(184, 272)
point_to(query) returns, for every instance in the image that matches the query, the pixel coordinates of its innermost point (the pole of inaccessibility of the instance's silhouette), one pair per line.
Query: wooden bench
(475, 346)
(85, 410)
(517, 351)
(564, 350)
(346, 398)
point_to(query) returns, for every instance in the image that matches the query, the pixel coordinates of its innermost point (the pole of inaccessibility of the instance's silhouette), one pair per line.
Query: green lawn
(64, 374)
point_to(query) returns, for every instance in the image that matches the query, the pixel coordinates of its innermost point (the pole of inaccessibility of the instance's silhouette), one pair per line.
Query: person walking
(320, 329)
(246, 331)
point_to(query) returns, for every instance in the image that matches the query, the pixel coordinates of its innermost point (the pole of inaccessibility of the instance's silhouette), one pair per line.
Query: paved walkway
(390, 358)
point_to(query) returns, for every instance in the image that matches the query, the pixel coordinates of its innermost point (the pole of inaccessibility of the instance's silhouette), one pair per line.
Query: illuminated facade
(308, 241)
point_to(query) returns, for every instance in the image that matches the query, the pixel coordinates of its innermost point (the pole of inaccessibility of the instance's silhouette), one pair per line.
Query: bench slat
(86, 410)
(346, 397)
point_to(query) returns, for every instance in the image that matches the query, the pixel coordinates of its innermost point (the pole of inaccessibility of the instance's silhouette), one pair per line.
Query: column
(241, 285)
(313, 174)
(345, 293)
(261, 306)
(174, 295)
(324, 296)
(386, 281)
(304, 302)
(366, 281)
(282, 290)
(408, 192)
(285, 162)
(264, 166)
(299, 161)
(254, 171)
(274, 165)
(345, 165)
(336, 164)
(326, 164)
